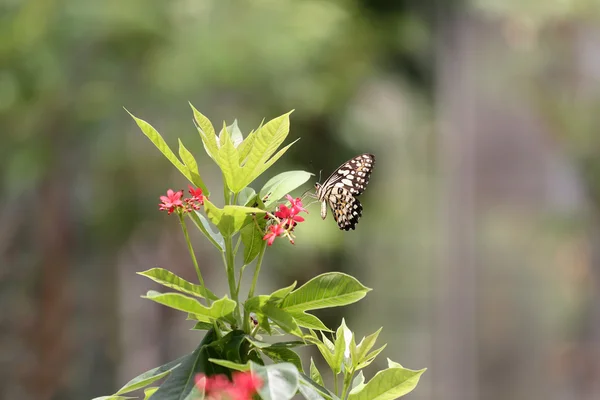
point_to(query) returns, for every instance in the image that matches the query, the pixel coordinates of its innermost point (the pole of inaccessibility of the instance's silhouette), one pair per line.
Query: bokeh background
(481, 228)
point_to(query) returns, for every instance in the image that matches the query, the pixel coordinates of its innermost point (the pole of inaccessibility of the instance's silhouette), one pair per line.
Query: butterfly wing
(345, 207)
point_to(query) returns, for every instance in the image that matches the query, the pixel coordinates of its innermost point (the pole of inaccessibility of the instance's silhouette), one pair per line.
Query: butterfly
(343, 187)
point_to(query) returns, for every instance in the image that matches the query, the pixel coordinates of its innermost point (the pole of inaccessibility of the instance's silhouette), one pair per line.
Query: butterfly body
(341, 189)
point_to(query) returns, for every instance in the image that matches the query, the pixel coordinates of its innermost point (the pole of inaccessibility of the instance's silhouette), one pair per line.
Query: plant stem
(193, 255)
(257, 268)
(347, 383)
(335, 384)
(229, 260)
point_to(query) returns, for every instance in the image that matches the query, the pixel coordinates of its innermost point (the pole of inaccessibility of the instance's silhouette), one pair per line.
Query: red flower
(274, 231)
(171, 201)
(296, 204)
(196, 194)
(218, 387)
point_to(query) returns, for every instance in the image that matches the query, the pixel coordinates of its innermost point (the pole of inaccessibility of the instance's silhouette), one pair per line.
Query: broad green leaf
(230, 219)
(331, 289)
(389, 384)
(315, 375)
(162, 146)
(256, 303)
(181, 381)
(150, 376)
(282, 354)
(253, 241)
(207, 133)
(149, 392)
(309, 321)
(282, 318)
(170, 280)
(280, 381)
(281, 293)
(282, 184)
(190, 162)
(245, 147)
(202, 223)
(231, 365)
(178, 301)
(393, 364)
(309, 392)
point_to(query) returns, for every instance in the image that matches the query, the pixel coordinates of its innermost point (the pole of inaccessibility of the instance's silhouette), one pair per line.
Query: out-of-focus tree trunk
(454, 366)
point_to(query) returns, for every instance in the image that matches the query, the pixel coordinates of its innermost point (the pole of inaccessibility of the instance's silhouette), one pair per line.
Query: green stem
(347, 383)
(193, 255)
(257, 269)
(335, 384)
(229, 260)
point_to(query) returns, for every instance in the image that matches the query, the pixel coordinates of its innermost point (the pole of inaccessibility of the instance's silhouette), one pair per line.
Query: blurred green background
(481, 227)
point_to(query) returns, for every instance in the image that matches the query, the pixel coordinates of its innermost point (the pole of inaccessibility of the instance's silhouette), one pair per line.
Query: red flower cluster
(285, 220)
(218, 387)
(173, 201)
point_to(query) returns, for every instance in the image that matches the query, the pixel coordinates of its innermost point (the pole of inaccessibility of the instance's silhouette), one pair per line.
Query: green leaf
(282, 318)
(230, 219)
(280, 294)
(389, 384)
(149, 392)
(202, 326)
(331, 289)
(207, 133)
(312, 390)
(280, 381)
(315, 375)
(252, 239)
(309, 321)
(150, 376)
(178, 301)
(338, 353)
(245, 196)
(190, 162)
(263, 167)
(393, 364)
(282, 354)
(358, 383)
(231, 365)
(162, 146)
(229, 162)
(170, 280)
(370, 357)
(365, 345)
(114, 397)
(282, 184)
(181, 381)
(202, 223)
(245, 147)
(256, 303)
(236, 134)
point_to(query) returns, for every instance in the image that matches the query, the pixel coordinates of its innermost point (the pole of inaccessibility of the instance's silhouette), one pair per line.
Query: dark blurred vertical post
(454, 369)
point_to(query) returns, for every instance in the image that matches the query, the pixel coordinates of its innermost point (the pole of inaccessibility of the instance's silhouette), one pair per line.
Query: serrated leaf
(178, 301)
(389, 384)
(190, 162)
(315, 375)
(207, 133)
(204, 226)
(282, 354)
(280, 381)
(282, 184)
(331, 289)
(230, 219)
(170, 280)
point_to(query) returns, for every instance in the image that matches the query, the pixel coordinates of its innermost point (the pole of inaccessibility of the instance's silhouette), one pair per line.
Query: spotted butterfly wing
(341, 189)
